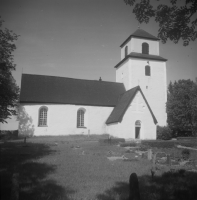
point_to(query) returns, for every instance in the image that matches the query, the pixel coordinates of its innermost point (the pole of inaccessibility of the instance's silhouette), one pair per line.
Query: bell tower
(142, 65)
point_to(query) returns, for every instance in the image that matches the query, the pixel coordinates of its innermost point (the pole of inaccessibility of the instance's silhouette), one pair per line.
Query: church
(129, 108)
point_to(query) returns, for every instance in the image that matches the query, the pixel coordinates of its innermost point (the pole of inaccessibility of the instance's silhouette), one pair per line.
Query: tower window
(126, 51)
(43, 116)
(147, 70)
(80, 118)
(145, 48)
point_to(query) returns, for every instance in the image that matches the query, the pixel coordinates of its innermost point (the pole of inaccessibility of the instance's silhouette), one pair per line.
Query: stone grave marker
(15, 187)
(134, 193)
(149, 154)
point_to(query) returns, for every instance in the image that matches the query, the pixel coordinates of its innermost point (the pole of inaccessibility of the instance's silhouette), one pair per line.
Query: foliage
(182, 106)
(164, 133)
(129, 144)
(26, 128)
(185, 154)
(45, 174)
(8, 134)
(9, 91)
(176, 21)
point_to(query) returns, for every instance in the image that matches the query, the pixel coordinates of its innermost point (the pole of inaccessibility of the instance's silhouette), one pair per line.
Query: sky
(81, 39)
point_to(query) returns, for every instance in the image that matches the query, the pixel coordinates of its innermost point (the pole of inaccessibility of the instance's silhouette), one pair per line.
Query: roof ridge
(140, 33)
(70, 78)
(137, 55)
(142, 30)
(136, 87)
(119, 110)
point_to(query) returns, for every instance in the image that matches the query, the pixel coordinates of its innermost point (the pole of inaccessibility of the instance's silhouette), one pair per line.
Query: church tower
(142, 65)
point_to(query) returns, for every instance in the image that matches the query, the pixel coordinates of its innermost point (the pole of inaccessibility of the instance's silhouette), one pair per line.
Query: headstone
(168, 161)
(143, 155)
(15, 187)
(153, 169)
(109, 139)
(149, 154)
(134, 193)
(154, 159)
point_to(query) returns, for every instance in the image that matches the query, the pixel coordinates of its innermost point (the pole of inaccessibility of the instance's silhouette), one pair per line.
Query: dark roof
(141, 56)
(60, 90)
(122, 105)
(139, 33)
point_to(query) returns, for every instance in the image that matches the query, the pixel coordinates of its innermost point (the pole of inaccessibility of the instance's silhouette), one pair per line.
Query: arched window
(147, 70)
(138, 123)
(145, 48)
(126, 51)
(137, 129)
(80, 117)
(42, 121)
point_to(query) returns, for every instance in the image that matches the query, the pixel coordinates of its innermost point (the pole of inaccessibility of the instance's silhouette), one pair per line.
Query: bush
(164, 133)
(184, 133)
(8, 135)
(185, 154)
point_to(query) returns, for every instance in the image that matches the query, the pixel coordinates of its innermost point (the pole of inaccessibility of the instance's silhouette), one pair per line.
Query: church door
(137, 129)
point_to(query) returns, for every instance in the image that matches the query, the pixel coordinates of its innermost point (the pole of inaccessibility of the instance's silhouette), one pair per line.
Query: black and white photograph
(98, 99)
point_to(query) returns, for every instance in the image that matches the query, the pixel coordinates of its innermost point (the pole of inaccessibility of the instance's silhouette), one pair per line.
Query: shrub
(8, 135)
(185, 154)
(164, 133)
(184, 133)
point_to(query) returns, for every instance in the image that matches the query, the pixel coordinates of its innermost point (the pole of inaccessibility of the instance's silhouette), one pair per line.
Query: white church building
(129, 108)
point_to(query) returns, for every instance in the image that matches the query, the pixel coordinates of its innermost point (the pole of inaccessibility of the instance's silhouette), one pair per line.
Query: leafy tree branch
(176, 20)
(9, 91)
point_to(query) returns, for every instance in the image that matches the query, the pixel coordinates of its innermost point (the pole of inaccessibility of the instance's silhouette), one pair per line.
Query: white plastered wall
(135, 45)
(62, 119)
(123, 74)
(137, 110)
(154, 87)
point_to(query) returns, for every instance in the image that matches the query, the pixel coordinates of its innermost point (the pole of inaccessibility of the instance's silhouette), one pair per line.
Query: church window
(126, 51)
(80, 118)
(137, 129)
(43, 116)
(145, 48)
(147, 70)
(138, 123)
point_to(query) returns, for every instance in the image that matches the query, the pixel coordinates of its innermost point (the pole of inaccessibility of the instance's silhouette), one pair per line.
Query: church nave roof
(61, 90)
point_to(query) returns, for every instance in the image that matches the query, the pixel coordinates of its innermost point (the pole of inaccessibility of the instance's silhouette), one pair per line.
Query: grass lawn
(77, 167)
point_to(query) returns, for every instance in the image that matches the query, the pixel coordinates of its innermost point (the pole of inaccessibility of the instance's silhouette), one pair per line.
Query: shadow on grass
(24, 160)
(170, 186)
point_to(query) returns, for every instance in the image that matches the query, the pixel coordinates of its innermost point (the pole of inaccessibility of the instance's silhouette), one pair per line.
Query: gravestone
(15, 187)
(168, 161)
(149, 154)
(153, 169)
(134, 193)
(109, 139)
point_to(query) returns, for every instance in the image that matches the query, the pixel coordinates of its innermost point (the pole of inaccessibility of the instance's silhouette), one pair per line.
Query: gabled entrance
(137, 129)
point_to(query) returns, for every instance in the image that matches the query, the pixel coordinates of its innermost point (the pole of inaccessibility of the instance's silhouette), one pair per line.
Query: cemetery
(96, 167)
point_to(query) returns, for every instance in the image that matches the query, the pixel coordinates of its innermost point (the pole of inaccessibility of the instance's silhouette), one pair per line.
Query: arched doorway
(137, 129)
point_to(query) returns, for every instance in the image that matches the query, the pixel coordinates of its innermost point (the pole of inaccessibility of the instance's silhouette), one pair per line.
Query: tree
(9, 91)
(176, 20)
(182, 106)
